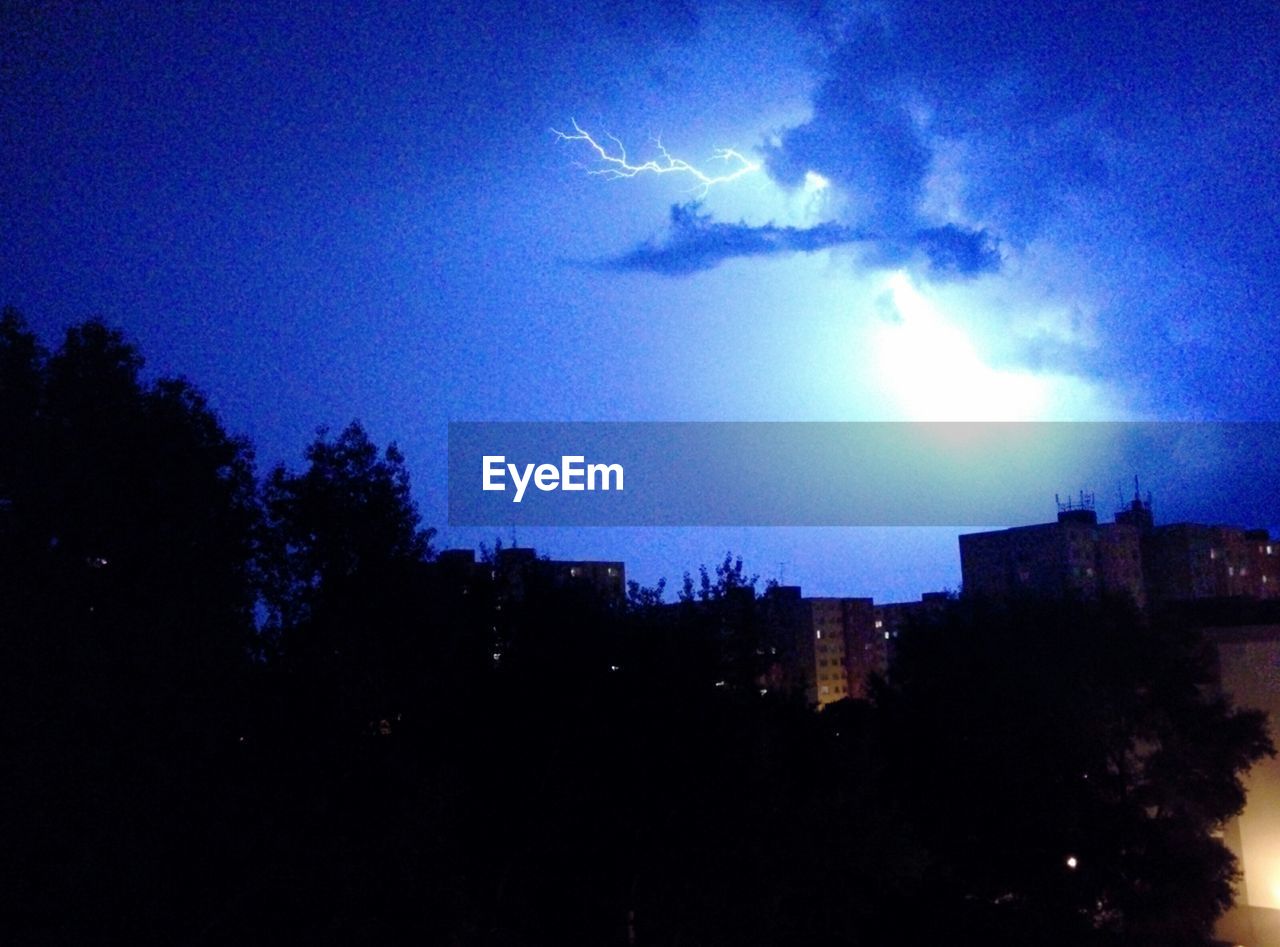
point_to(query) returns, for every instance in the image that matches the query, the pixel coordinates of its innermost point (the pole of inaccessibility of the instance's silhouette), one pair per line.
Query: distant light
(614, 667)
(1072, 862)
(721, 683)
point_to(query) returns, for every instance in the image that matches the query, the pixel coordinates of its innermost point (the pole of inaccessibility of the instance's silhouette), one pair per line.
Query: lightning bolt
(614, 164)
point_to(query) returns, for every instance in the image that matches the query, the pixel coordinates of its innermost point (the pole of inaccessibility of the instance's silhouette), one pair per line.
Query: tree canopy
(1066, 764)
(243, 709)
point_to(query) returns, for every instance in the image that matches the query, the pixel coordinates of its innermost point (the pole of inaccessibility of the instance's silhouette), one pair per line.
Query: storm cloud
(695, 242)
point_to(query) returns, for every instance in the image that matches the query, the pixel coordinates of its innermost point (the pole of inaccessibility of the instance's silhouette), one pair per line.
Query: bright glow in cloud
(614, 164)
(932, 370)
(813, 182)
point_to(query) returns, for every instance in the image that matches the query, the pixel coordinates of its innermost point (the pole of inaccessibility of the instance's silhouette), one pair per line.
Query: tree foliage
(452, 751)
(341, 558)
(126, 607)
(1066, 764)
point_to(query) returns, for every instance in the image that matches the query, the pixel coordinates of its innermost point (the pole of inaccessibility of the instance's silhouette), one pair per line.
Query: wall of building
(1249, 672)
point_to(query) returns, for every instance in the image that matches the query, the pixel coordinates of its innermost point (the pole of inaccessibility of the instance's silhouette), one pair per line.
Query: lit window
(879, 624)
(819, 634)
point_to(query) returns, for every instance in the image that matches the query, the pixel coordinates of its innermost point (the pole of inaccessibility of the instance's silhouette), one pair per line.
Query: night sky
(979, 211)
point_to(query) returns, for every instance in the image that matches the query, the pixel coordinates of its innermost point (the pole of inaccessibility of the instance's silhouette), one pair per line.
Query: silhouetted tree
(341, 561)
(725, 612)
(1066, 764)
(126, 518)
(641, 597)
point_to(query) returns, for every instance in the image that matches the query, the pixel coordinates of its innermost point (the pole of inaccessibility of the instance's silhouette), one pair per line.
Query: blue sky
(979, 211)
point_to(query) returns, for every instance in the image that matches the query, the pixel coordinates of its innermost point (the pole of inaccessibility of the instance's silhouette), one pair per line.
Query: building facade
(1153, 565)
(1074, 555)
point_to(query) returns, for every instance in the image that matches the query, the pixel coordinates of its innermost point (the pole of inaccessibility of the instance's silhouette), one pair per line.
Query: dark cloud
(861, 136)
(1019, 97)
(956, 251)
(696, 242)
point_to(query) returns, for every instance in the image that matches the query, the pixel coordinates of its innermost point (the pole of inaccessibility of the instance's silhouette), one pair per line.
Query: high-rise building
(510, 572)
(1154, 565)
(892, 617)
(1248, 654)
(1075, 554)
(485, 595)
(1190, 561)
(822, 647)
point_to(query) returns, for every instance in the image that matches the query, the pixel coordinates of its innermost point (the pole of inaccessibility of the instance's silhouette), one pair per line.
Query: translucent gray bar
(857, 473)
